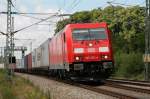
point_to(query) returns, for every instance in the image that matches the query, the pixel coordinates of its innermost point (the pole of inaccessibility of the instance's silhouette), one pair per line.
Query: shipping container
(30, 61)
(22, 63)
(45, 53)
(1, 66)
(33, 58)
(38, 57)
(56, 49)
(19, 63)
(26, 62)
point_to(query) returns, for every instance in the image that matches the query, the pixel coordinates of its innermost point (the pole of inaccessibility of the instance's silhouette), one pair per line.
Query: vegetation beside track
(129, 66)
(19, 88)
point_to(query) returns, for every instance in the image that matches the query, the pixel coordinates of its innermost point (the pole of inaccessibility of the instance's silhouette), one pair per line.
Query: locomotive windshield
(89, 34)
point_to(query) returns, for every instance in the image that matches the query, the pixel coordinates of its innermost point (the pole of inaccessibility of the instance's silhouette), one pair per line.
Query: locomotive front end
(92, 53)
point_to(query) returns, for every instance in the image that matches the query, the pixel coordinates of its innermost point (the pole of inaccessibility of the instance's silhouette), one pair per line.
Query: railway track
(130, 82)
(103, 91)
(92, 88)
(106, 91)
(115, 85)
(95, 89)
(141, 93)
(141, 88)
(112, 93)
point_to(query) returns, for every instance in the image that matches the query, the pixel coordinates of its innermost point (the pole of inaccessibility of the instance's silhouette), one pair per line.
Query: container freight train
(78, 52)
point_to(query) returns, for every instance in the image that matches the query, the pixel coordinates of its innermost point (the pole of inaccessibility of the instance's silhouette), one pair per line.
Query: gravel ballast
(59, 90)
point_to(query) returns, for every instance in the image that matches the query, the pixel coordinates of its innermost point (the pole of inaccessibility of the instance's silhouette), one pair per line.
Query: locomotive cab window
(89, 34)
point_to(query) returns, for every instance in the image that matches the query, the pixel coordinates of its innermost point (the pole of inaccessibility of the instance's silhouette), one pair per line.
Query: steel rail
(130, 88)
(130, 82)
(105, 92)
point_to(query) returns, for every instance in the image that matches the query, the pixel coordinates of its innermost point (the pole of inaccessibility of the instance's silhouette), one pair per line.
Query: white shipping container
(45, 54)
(34, 58)
(38, 57)
(1, 66)
(19, 63)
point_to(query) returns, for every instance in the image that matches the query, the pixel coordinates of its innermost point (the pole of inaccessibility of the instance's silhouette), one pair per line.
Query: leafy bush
(129, 65)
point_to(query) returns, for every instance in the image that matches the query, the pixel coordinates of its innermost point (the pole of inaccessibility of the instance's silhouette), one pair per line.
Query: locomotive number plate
(78, 67)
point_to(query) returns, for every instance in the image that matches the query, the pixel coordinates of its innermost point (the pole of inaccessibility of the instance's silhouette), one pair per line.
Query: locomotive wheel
(64, 74)
(60, 74)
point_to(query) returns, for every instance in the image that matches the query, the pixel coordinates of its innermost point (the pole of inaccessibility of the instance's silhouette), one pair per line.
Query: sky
(39, 33)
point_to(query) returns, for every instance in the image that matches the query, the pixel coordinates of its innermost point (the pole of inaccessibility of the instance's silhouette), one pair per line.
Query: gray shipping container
(45, 53)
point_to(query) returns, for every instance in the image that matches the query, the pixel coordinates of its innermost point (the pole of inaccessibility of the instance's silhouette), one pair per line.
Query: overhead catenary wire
(76, 4)
(33, 13)
(34, 18)
(123, 4)
(41, 20)
(119, 3)
(32, 24)
(38, 22)
(73, 5)
(3, 33)
(25, 14)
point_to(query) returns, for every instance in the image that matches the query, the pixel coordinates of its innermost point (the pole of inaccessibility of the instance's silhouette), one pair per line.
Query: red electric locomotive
(82, 51)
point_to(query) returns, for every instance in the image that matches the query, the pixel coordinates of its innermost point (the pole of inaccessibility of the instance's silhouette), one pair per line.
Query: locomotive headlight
(90, 44)
(103, 49)
(105, 57)
(77, 58)
(78, 50)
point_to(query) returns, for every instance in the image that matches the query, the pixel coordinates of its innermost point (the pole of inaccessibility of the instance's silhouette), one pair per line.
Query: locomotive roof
(101, 24)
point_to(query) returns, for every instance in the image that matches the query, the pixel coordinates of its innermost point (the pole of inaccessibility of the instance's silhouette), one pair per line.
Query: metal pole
(12, 37)
(12, 46)
(147, 40)
(148, 28)
(8, 39)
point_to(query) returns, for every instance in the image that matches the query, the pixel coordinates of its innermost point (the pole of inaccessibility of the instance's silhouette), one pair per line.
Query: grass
(19, 88)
